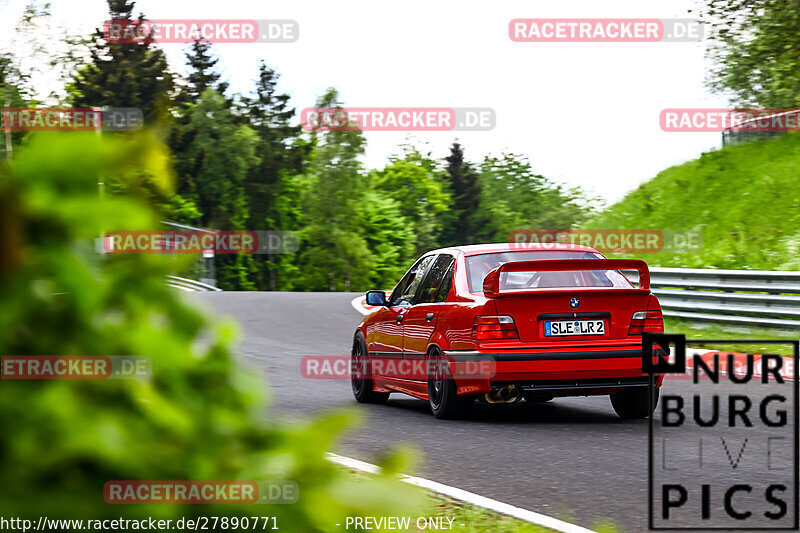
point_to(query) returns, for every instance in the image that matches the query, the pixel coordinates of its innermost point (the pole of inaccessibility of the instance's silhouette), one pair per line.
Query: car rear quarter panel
(454, 327)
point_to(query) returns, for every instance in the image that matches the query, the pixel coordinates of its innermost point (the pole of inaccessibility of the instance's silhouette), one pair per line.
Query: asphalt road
(572, 458)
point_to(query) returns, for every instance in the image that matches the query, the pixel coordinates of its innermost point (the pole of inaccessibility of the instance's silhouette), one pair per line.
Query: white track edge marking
(358, 305)
(468, 497)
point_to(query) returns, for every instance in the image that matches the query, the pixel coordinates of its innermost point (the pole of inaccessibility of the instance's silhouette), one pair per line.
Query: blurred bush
(199, 417)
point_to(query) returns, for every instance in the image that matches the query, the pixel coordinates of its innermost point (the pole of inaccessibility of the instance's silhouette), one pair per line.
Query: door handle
(399, 318)
(429, 316)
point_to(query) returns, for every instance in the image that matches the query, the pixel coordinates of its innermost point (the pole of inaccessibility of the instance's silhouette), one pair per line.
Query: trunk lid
(613, 306)
(591, 294)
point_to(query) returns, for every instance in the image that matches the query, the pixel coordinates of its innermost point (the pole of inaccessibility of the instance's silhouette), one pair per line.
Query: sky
(585, 114)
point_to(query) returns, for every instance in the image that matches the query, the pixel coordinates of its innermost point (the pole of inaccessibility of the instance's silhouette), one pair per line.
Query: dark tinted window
(405, 290)
(447, 282)
(434, 280)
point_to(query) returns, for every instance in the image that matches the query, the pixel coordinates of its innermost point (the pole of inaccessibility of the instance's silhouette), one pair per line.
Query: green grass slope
(744, 200)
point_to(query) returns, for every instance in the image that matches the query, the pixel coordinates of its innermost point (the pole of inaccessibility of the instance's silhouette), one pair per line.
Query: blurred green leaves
(198, 416)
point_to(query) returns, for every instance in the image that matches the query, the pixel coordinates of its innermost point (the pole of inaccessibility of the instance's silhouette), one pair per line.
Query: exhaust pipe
(507, 394)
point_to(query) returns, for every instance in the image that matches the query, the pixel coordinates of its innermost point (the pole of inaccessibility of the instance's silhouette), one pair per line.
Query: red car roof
(476, 249)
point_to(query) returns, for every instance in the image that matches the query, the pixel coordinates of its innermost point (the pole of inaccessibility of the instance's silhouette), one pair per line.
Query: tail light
(494, 328)
(646, 322)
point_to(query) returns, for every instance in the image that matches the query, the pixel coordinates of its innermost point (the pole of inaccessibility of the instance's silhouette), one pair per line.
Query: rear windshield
(480, 265)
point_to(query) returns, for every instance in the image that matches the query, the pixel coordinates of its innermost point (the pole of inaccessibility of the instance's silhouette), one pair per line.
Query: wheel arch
(438, 340)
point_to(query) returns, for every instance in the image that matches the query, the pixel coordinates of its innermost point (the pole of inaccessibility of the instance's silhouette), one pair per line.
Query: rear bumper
(562, 372)
(577, 386)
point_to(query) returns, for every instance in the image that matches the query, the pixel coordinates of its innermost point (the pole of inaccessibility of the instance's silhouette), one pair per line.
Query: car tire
(632, 404)
(443, 397)
(362, 386)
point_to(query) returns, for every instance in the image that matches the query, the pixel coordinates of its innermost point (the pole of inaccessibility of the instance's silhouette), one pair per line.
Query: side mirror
(377, 298)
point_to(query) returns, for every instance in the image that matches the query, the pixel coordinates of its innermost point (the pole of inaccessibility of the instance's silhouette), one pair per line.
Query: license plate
(574, 327)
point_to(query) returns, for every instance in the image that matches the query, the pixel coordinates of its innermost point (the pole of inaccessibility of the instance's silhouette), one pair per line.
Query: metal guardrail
(747, 297)
(189, 284)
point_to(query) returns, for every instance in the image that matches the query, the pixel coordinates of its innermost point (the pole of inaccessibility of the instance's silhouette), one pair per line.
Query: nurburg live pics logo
(723, 445)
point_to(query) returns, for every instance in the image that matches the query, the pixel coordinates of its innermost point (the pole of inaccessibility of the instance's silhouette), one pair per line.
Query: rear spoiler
(491, 283)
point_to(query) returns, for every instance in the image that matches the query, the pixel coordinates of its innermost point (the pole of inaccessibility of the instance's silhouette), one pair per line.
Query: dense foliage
(755, 50)
(242, 161)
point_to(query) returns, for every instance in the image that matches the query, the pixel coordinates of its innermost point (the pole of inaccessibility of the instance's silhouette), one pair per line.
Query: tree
(462, 225)
(11, 95)
(333, 254)
(46, 53)
(124, 74)
(516, 198)
(271, 187)
(33, 49)
(183, 207)
(352, 236)
(202, 73)
(212, 166)
(389, 237)
(413, 182)
(756, 50)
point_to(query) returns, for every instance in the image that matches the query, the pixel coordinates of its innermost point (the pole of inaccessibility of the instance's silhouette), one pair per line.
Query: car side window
(447, 282)
(403, 283)
(406, 289)
(433, 280)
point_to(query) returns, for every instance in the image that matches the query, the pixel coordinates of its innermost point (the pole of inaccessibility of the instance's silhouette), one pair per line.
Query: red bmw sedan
(508, 323)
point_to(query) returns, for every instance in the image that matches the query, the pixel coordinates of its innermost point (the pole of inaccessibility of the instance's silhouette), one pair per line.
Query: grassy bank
(744, 200)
